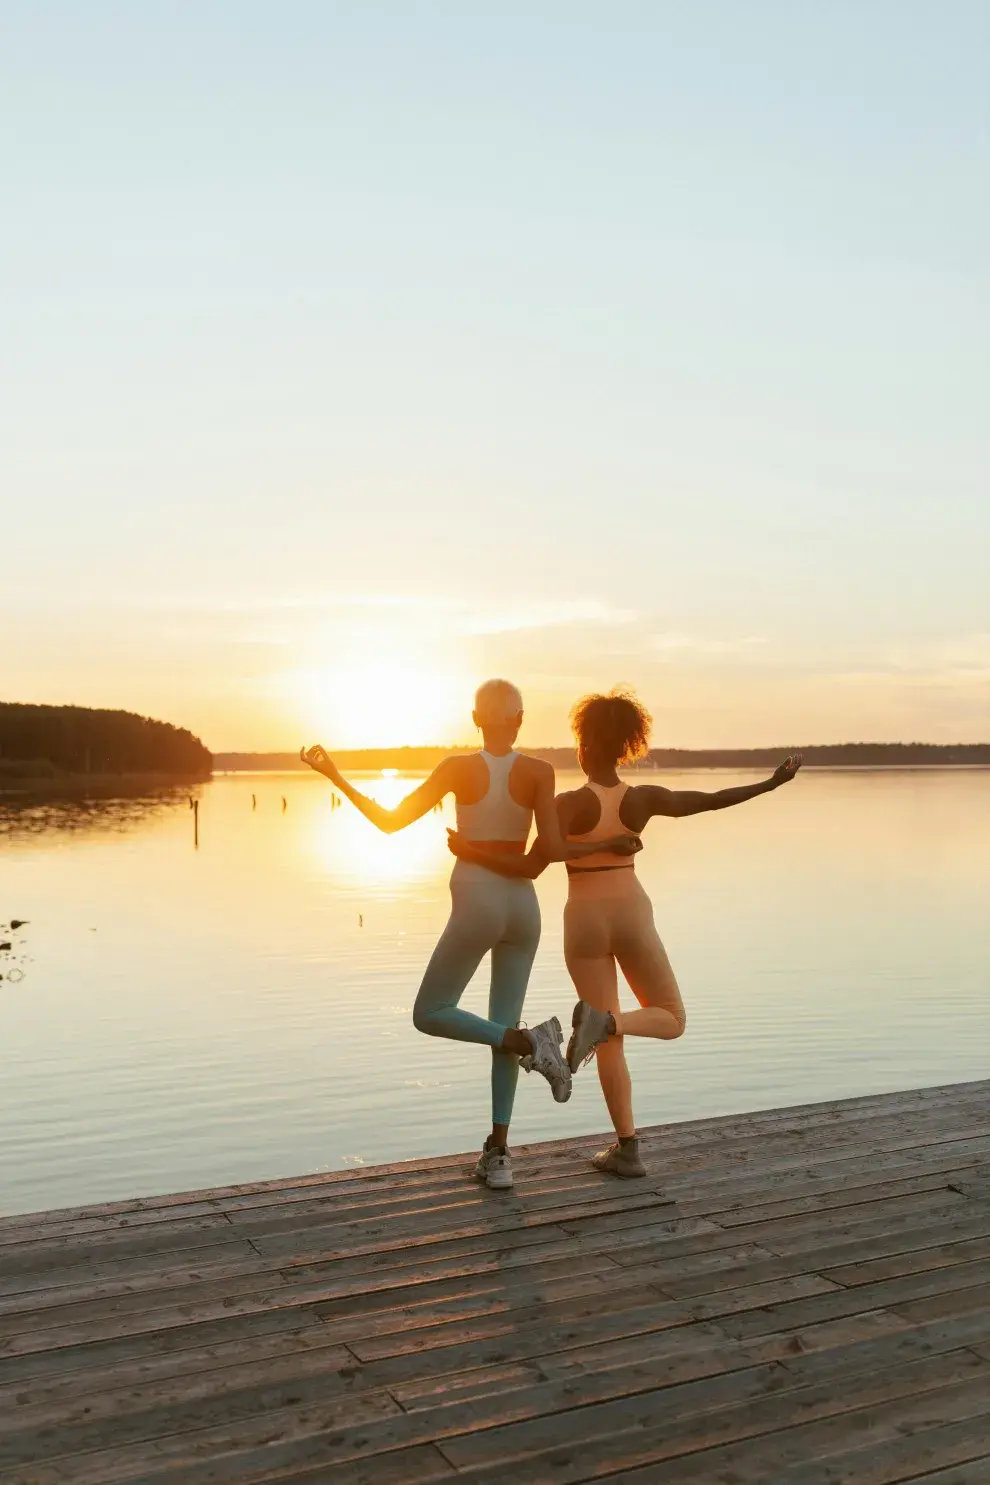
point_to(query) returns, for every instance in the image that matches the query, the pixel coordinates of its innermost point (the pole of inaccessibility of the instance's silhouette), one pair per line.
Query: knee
(425, 1019)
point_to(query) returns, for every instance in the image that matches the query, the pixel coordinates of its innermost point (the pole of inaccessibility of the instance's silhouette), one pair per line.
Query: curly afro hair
(613, 728)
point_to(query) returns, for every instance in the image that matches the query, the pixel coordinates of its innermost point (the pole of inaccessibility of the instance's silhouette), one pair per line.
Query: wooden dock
(794, 1297)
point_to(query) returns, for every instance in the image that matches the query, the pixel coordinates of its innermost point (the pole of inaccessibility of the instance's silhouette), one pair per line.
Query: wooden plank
(831, 1167)
(658, 1427)
(929, 1456)
(495, 1324)
(624, 1350)
(383, 1427)
(943, 1255)
(405, 1286)
(914, 1192)
(197, 1234)
(945, 1301)
(884, 1294)
(91, 1453)
(186, 1373)
(706, 1273)
(824, 1183)
(785, 1429)
(815, 1457)
(928, 1204)
(295, 1438)
(138, 1348)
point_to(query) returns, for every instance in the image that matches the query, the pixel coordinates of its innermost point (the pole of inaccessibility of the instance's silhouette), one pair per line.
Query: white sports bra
(496, 816)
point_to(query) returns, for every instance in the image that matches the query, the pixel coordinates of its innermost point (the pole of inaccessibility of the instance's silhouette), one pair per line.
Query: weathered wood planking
(796, 1295)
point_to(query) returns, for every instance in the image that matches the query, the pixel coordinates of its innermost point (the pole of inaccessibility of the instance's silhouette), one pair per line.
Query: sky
(352, 353)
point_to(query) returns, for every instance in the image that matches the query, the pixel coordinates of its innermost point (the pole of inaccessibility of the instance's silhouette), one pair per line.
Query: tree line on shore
(53, 740)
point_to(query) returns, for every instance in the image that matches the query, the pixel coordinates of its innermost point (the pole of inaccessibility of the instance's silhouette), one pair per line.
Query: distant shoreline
(840, 755)
(39, 782)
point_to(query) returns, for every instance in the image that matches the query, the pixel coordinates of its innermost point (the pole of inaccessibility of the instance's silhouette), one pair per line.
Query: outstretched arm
(680, 802)
(419, 802)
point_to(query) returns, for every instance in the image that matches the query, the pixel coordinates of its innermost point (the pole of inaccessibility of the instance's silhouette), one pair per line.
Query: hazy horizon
(351, 355)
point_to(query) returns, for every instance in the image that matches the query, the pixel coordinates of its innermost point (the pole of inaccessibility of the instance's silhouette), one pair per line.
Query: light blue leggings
(488, 914)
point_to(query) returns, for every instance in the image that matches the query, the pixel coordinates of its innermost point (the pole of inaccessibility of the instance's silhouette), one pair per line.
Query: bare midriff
(508, 847)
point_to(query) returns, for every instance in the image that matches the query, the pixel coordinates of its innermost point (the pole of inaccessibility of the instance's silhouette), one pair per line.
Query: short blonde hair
(497, 701)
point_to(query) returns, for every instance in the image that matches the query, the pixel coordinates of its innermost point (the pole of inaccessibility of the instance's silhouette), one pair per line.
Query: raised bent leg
(643, 960)
(475, 926)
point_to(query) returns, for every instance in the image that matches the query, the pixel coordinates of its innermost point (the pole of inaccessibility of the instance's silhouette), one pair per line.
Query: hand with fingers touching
(785, 771)
(622, 845)
(536, 860)
(320, 761)
(457, 845)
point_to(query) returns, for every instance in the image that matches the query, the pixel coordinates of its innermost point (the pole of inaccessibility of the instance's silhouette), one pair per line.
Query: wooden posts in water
(195, 810)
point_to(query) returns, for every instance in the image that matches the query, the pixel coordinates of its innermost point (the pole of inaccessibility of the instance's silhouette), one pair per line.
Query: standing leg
(512, 961)
(591, 965)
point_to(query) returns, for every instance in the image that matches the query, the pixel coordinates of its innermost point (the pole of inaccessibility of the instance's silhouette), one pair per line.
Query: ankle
(628, 1139)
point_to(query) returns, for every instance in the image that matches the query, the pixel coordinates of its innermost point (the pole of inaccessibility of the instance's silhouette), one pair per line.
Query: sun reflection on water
(349, 846)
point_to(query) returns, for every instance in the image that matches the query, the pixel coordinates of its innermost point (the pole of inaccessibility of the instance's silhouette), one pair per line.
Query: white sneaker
(590, 1030)
(495, 1168)
(546, 1058)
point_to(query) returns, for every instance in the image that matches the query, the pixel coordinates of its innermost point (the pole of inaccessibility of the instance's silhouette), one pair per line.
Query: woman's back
(495, 815)
(609, 800)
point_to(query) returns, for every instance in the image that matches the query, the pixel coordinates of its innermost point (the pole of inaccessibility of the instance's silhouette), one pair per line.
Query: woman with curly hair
(608, 918)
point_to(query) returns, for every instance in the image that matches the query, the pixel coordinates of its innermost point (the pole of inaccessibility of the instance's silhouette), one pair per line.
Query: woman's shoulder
(579, 810)
(640, 803)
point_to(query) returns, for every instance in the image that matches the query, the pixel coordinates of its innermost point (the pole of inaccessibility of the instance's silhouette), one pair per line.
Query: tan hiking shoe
(495, 1167)
(621, 1159)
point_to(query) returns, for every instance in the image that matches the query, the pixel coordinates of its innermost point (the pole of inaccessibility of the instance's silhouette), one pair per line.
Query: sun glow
(382, 703)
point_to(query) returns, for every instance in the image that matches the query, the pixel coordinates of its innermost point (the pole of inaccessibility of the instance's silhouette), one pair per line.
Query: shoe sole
(579, 1019)
(497, 1185)
(556, 1084)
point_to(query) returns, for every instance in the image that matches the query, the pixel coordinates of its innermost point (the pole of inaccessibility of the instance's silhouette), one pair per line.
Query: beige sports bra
(609, 824)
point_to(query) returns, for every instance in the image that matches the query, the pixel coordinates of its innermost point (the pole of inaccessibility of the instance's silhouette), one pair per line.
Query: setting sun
(382, 702)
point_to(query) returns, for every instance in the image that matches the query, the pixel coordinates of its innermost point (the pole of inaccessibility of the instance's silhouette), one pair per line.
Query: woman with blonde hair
(498, 794)
(608, 918)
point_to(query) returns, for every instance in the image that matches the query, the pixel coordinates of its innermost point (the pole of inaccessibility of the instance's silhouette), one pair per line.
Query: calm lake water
(173, 1018)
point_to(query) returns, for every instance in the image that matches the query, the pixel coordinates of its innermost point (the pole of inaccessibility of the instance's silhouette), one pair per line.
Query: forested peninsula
(65, 742)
